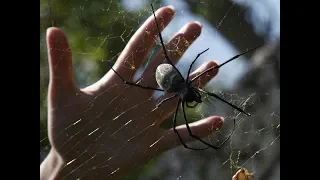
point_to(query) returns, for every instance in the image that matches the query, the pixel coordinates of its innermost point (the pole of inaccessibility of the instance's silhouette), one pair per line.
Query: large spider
(171, 80)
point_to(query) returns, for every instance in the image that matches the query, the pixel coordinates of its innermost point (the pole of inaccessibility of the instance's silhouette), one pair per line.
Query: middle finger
(175, 48)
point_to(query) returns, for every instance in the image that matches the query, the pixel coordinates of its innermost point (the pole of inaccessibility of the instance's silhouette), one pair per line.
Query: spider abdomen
(168, 78)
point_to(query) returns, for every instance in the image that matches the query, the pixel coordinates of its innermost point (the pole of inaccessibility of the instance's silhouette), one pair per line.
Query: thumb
(200, 128)
(60, 59)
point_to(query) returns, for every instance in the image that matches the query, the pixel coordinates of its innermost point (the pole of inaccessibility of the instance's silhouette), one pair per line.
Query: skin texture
(90, 135)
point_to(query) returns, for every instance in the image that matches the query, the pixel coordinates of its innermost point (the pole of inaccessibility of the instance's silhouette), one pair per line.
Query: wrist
(51, 166)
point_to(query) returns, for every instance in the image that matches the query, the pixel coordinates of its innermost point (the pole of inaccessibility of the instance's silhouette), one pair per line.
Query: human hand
(108, 128)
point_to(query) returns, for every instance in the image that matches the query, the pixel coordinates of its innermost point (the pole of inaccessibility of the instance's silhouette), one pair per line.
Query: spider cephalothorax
(170, 80)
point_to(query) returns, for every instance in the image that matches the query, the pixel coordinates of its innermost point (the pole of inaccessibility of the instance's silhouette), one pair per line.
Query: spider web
(98, 31)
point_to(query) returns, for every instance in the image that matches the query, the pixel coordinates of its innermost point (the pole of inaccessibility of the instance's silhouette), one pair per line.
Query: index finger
(141, 43)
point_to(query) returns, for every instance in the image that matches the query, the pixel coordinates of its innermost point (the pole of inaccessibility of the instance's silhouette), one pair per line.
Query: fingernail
(203, 66)
(51, 29)
(222, 119)
(48, 30)
(197, 22)
(183, 29)
(171, 7)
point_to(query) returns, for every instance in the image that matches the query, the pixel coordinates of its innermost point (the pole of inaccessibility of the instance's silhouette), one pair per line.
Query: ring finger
(168, 107)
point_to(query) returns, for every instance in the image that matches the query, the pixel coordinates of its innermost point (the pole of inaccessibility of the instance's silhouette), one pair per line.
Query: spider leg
(216, 96)
(162, 44)
(219, 66)
(198, 138)
(142, 86)
(166, 99)
(134, 84)
(193, 63)
(177, 132)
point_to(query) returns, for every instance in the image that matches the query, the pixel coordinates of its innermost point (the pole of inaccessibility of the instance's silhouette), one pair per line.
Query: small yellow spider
(242, 174)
